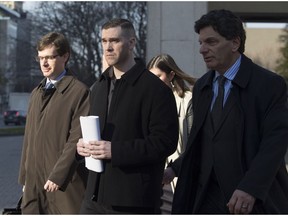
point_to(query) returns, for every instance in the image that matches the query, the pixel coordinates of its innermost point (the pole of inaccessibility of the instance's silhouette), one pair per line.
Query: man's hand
(96, 149)
(100, 149)
(241, 203)
(82, 148)
(51, 186)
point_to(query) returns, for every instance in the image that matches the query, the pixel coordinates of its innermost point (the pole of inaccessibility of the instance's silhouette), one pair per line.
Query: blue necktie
(49, 85)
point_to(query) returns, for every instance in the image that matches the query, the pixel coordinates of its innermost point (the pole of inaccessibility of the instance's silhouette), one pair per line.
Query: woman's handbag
(17, 210)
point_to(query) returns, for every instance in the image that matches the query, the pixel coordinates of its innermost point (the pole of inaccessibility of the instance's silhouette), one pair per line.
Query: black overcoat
(261, 139)
(142, 126)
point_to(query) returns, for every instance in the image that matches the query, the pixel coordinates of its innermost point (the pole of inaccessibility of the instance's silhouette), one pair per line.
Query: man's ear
(132, 43)
(236, 44)
(67, 56)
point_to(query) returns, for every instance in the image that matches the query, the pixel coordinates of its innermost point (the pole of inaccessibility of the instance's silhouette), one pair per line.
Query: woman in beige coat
(168, 71)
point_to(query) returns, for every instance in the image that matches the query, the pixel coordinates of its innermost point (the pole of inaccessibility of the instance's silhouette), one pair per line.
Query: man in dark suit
(234, 161)
(139, 129)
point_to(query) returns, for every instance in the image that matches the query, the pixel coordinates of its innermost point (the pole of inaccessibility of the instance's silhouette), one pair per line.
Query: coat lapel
(203, 108)
(241, 81)
(102, 100)
(231, 101)
(203, 102)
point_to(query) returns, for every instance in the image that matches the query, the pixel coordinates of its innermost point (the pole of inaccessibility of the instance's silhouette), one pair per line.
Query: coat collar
(243, 76)
(60, 85)
(131, 75)
(241, 79)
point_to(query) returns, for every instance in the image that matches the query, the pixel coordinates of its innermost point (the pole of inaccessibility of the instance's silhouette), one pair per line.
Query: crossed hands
(97, 149)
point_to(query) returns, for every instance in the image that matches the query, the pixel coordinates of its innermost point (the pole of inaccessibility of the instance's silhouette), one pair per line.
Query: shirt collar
(231, 72)
(57, 79)
(131, 75)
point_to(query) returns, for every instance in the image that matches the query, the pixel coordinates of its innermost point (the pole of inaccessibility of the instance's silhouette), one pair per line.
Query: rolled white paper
(90, 128)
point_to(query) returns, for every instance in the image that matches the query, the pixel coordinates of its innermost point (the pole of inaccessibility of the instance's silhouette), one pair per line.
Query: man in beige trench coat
(54, 182)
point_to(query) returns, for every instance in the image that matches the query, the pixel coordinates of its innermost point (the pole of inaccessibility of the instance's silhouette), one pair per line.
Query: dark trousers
(92, 207)
(214, 201)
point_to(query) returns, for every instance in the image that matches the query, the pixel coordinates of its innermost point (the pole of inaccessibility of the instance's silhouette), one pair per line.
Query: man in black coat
(139, 130)
(234, 161)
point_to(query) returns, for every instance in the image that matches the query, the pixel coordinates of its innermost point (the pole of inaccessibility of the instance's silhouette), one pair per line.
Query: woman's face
(166, 78)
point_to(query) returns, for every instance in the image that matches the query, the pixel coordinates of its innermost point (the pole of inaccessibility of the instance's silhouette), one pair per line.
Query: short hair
(56, 39)
(125, 25)
(226, 23)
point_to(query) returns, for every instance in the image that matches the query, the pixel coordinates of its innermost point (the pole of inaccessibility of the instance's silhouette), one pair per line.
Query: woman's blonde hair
(167, 64)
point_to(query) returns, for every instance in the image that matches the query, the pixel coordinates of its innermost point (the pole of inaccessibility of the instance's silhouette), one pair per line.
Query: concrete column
(171, 31)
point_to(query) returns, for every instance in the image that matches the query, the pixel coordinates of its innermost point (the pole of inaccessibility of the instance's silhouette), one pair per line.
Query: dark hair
(167, 64)
(226, 23)
(58, 40)
(123, 23)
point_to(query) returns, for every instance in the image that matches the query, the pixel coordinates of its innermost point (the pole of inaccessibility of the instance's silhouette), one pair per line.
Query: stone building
(171, 30)
(15, 50)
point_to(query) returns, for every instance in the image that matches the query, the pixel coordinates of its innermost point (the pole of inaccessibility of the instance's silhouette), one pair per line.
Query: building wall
(10, 44)
(3, 42)
(8, 35)
(171, 31)
(263, 46)
(14, 5)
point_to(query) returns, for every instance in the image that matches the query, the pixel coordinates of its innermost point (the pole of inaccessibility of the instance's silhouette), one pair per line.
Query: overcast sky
(29, 5)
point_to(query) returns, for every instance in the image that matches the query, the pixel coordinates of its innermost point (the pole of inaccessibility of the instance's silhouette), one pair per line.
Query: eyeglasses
(41, 58)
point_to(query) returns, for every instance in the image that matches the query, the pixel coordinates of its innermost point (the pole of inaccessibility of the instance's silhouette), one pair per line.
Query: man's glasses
(42, 58)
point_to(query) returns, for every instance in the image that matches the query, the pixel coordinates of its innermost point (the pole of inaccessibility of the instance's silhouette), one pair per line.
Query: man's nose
(109, 46)
(203, 48)
(45, 62)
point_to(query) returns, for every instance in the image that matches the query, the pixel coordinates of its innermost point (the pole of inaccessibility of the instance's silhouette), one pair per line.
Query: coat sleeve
(176, 164)
(189, 117)
(22, 169)
(160, 138)
(273, 138)
(66, 164)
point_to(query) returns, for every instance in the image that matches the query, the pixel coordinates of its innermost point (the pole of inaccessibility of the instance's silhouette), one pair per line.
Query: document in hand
(90, 128)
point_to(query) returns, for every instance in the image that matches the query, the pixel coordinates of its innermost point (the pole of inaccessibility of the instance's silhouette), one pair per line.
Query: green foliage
(282, 63)
(12, 131)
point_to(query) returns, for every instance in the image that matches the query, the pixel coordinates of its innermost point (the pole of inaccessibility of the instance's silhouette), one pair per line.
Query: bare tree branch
(81, 23)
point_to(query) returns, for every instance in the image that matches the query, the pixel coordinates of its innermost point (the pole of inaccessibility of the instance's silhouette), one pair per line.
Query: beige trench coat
(51, 133)
(185, 119)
